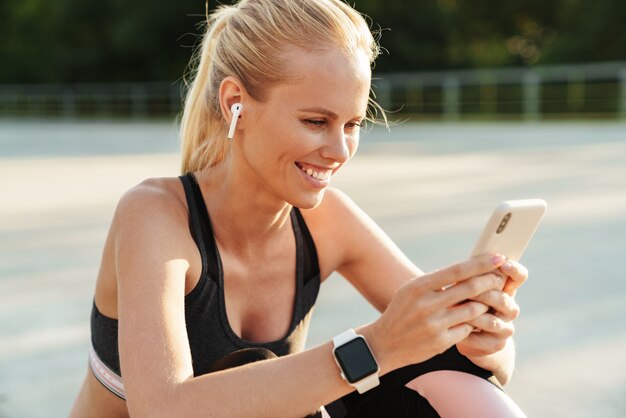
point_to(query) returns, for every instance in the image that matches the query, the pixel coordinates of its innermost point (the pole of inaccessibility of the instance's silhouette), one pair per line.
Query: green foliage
(445, 34)
(65, 41)
(69, 41)
(588, 30)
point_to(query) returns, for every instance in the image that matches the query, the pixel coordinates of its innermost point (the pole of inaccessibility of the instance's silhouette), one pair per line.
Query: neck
(243, 213)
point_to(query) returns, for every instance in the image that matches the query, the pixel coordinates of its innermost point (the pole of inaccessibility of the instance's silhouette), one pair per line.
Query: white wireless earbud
(235, 110)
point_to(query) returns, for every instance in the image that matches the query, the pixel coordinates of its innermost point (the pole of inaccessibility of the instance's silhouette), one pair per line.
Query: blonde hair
(246, 41)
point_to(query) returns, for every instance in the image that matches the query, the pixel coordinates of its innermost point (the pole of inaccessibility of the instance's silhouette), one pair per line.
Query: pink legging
(448, 385)
(458, 395)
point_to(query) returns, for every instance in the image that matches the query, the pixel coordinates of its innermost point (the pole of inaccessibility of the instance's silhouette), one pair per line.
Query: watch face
(356, 360)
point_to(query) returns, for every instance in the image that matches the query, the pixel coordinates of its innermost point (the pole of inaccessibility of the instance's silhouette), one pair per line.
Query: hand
(496, 326)
(424, 320)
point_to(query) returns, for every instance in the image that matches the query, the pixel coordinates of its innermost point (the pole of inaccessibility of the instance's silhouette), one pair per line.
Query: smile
(315, 172)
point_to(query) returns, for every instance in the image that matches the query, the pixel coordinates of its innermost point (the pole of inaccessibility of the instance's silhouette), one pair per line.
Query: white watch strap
(370, 382)
(366, 383)
(344, 337)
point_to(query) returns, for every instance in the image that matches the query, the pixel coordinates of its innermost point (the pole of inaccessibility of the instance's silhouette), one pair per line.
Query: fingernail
(506, 266)
(497, 259)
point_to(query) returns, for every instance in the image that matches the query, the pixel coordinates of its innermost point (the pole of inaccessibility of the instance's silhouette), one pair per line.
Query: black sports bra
(210, 334)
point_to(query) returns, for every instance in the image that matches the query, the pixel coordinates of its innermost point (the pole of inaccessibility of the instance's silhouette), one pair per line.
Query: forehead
(332, 79)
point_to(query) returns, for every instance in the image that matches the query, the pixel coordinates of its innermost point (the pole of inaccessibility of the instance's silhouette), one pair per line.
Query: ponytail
(203, 139)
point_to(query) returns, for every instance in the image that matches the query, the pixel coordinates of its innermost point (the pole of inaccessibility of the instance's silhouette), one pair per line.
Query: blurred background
(496, 100)
(454, 59)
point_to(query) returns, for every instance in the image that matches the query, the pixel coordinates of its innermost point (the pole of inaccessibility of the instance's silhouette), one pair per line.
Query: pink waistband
(105, 375)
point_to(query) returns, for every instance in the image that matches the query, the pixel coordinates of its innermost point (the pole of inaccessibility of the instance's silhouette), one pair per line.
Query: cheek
(277, 144)
(294, 140)
(267, 138)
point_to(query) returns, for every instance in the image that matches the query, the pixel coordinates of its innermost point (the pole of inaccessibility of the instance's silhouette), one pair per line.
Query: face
(308, 127)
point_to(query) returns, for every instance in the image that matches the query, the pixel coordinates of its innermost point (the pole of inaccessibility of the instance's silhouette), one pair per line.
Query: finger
(461, 271)
(469, 289)
(485, 343)
(458, 333)
(464, 313)
(503, 305)
(494, 325)
(515, 270)
(516, 273)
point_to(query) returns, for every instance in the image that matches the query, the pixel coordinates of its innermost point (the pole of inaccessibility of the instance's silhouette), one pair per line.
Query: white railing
(110, 100)
(597, 89)
(592, 89)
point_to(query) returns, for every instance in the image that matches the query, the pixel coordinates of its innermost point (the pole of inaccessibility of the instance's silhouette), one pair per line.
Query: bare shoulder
(152, 217)
(335, 201)
(155, 204)
(337, 224)
(153, 196)
(331, 215)
(350, 242)
(150, 226)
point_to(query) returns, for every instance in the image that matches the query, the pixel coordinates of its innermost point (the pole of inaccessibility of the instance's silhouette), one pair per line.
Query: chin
(310, 201)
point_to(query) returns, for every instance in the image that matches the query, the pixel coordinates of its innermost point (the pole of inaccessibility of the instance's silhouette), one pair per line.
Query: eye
(353, 126)
(315, 122)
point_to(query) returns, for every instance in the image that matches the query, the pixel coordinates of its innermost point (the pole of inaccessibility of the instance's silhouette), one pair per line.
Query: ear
(231, 92)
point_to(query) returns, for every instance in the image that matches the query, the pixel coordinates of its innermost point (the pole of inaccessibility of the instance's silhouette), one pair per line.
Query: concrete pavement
(430, 186)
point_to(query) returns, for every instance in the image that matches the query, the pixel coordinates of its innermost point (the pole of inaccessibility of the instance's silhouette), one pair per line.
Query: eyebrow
(323, 111)
(320, 110)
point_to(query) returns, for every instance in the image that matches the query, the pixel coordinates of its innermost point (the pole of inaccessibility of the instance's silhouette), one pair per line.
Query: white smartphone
(510, 228)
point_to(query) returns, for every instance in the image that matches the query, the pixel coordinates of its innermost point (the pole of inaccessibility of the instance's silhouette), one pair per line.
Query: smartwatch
(356, 361)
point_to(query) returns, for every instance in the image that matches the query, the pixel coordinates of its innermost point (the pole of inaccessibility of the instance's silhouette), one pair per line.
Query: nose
(339, 146)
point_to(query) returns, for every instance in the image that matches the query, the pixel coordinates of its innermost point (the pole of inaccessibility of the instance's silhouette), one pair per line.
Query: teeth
(320, 175)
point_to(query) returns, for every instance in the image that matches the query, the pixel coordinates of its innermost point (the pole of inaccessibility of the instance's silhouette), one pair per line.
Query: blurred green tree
(445, 34)
(65, 41)
(586, 30)
(69, 41)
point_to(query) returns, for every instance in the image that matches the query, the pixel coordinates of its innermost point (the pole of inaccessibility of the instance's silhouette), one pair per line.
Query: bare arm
(377, 268)
(154, 349)
(151, 263)
(359, 249)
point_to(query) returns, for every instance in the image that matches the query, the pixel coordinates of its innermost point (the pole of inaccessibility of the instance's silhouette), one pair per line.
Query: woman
(206, 274)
